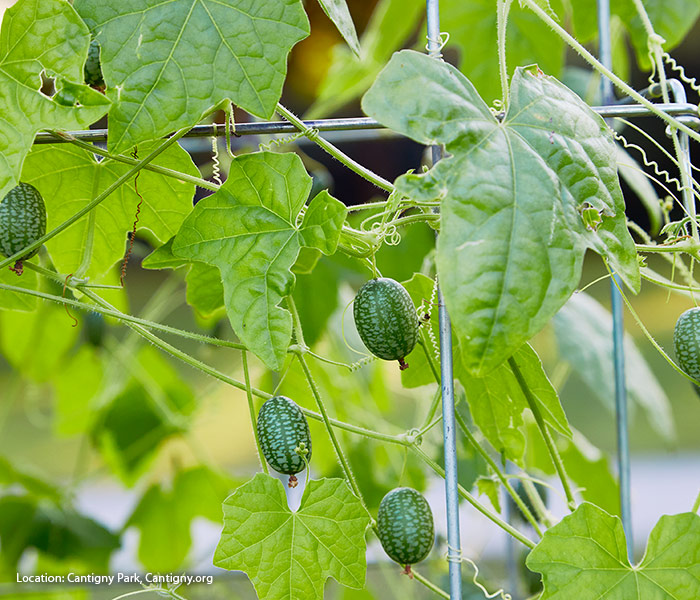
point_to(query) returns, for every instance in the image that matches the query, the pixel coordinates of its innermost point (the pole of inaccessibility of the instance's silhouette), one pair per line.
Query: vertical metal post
(448, 404)
(623, 455)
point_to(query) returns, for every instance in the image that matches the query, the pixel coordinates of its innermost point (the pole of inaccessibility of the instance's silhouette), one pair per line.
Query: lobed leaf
(513, 197)
(249, 230)
(291, 554)
(166, 62)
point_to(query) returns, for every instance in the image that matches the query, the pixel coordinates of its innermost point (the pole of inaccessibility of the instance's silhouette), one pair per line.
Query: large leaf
(514, 196)
(583, 329)
(166, 202)
(40, 35)
(496, 402)
(291, 554)
(584, 557)
(472, 28)
(164, 516)
(166, 62)
(250, 229)
(349, 76)
(16, 300)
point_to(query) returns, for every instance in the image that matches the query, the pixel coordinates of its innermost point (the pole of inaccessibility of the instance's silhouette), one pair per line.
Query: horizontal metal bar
(219, 130)
(687, 112)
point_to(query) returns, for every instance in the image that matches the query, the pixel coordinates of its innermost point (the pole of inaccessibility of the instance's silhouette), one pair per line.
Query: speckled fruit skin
(686, 342)
(281, 428)
(93, 68)
(386, 318)
(405, 524)
(22, 220)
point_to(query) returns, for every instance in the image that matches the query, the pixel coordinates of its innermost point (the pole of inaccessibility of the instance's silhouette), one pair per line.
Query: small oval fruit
(386, 319)
(93, 68)
(94, 329)
(405, 525)
(282, 428)
(686, 342)
(22, 222)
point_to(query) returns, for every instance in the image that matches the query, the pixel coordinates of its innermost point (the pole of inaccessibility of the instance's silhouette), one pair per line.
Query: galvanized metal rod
(687, 112)
(454, 546)
(623, 453)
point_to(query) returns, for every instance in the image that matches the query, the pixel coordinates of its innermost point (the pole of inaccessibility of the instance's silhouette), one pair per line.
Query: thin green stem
(429, 584)
(433, 408)
(536, 501)
(344, 464)
(127, 160)
(90, 237)
(546, 435)
(475, 503)
(696, 505)
(499, 473)
(91, 205)
(591, 60)
(354, 166)
(251, 409)
(429, 357)
(501, 22)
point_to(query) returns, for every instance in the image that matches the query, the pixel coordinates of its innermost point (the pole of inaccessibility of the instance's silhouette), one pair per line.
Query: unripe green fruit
(22, 222)
(686, 342)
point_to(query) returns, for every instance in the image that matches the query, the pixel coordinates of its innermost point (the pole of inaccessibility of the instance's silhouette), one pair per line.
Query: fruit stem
(475, 503)
(251, 410)
(546, 435)
(313, 135)
(499, 473)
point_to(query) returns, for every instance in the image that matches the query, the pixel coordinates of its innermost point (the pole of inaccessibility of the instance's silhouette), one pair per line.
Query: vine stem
(429, 584)
(546, 435)
(475, 503)
(91, 205)
(595, 63)
(499, 473)
(127, 160)
(354, 166)
(251, 409)
(340, 455)
(696, 505)
(501, 24)
(536, 500)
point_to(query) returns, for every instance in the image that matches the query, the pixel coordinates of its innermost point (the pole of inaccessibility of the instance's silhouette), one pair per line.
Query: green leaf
(488, 486)
(15, 300)
(349, 76)
(40, 35)
(33, 483)
(57, 531)
(164, 516)
(35, 343)
(167, 63)
(166, 202)
(337, 11)
(76, 385)
(512, 237)
(634, 176)
(496, 402)
(205, 290)
(472, 27)
(151, 407)
(316, 298)
(584, 557)
(249, 229)
(290, 555)
(583, 330)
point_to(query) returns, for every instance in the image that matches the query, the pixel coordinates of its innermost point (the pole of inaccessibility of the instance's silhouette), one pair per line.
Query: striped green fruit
(93, 68)
(386, 319)
(405, 524)
(686, 342)
(282, 428)
(22, 221)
